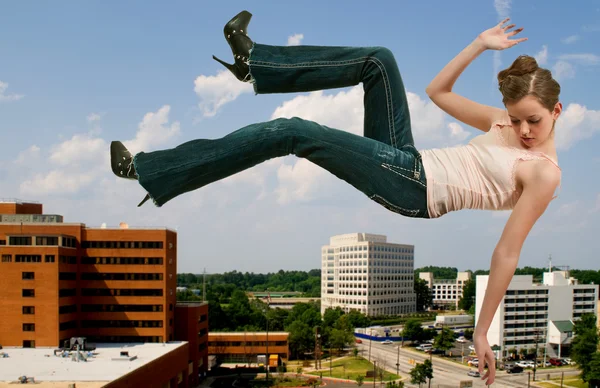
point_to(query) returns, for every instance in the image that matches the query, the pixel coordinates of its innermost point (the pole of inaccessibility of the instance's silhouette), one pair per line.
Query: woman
(511, 166)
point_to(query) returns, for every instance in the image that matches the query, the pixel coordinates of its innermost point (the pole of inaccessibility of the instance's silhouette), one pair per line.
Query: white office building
(446, 292)
(364, 272)
(538, 311)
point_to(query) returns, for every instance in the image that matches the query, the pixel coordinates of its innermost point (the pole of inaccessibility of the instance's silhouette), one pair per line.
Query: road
(446, 374)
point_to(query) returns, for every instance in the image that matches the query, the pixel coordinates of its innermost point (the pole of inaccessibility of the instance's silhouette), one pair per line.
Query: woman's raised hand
(498, 37)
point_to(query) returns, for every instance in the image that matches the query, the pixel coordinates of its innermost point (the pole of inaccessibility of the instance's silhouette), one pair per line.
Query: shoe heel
(147, 197)
(228, 66)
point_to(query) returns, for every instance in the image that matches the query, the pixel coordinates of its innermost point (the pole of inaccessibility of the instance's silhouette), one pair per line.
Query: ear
(557, 110)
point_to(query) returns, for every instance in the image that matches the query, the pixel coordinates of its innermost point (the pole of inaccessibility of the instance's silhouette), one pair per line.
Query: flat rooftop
(49, 370)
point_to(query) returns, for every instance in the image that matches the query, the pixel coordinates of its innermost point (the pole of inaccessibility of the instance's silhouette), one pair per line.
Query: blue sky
(76, 75)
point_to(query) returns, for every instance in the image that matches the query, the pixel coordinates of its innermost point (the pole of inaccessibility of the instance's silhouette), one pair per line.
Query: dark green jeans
(383, 164)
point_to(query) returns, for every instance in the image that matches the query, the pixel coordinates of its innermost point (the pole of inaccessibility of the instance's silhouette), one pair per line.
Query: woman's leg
(287, 69)
(389, 176)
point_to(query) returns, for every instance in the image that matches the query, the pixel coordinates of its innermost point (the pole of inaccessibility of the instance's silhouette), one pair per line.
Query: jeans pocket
(395, 208)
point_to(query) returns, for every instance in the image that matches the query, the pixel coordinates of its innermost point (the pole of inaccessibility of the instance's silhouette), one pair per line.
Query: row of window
(528, 300)
(87, 308)
(527, 292)
(68, 242)
(378, 248)
(224, 344)
(8, 258)
(120, 276)
(123, 244)
(123, 260)
(120, 323)
(532, 308)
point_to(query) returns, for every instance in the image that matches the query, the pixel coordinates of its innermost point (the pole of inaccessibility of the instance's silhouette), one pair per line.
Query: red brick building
(109, 285)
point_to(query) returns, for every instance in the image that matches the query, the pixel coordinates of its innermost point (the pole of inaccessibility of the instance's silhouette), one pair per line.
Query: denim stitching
(394, 208)
(377, 63)
(391, 168)
(388, 93)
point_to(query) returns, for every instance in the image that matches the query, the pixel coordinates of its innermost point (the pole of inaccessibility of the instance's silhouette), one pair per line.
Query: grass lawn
(350, 368)
(567, 382)
(280, 382)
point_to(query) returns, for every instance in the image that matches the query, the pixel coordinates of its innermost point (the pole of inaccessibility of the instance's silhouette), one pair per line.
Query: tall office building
(63, 280)
(364, 272)
(542, 312)
(446, 292)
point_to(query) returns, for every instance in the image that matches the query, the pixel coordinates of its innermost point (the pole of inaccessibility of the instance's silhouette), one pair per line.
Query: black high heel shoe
(236, 34)
(121, 162)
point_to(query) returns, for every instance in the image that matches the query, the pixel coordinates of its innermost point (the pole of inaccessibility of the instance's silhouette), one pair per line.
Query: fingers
(503, 21)
(508, 27)
(515, 32)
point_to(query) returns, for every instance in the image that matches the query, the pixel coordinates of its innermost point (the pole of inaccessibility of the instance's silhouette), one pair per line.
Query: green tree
(360, 379)
(444, 340)
(593, 374)
(421, 373)
(438, 272)
(585, 343)
(412, 330)
(301, 338)
(355, 352)
(339, 338)
(468, 296)
(423, 293)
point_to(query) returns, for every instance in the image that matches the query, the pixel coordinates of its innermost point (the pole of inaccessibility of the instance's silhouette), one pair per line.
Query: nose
(524, 129)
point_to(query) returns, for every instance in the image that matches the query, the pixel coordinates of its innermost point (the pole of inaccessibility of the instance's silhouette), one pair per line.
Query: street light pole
(398, 362)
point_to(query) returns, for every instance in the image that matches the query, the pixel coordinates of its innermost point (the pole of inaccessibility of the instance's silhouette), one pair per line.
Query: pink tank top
(478, 175)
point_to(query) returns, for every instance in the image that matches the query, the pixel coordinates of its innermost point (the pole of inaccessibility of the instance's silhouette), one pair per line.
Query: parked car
(555, 362)
(358, 341)
(514, 369)
(474, 373)
(472, 347)
(569, 361)
(424, 347)
(387, 342)
(525, 364)
(473, 362)
(461, 339)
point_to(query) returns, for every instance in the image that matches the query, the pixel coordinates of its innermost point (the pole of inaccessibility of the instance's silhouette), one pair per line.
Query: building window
(28, 293)
(28, 275)
(28, 310)
(28, 258)
(19, 241)
(6, 258)
(50, 259)
(48, 241)
(66, 292)
(29, 327)
(28, 343)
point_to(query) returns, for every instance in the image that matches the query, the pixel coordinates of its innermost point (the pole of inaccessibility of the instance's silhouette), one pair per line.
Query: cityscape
(107, 307)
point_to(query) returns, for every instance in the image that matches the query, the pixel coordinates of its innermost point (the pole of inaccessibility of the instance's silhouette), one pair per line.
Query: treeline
(307, 283)
(245, 314)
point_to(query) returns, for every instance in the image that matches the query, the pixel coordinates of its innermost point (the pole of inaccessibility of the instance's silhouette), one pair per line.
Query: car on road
(474, 373)
(387, 342)
(568, 361)
(461, 339)
(473, 362)
(526, 364)
(358, 341)
(472, 347)
(513, 369)
(424, 347)
(555, 362)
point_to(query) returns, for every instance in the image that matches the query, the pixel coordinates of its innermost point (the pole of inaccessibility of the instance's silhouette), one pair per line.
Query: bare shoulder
(541, 176)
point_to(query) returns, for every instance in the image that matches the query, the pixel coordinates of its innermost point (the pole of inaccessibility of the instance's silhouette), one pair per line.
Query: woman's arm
(440, 89)
(540, 180)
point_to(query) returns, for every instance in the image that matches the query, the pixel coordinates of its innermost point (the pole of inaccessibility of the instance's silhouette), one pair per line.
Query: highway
(446, 374)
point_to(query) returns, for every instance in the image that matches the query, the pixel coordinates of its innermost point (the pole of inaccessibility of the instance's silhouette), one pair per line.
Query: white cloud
(542, 56)
(295, 39)
(8, 97)
(92, 117)
(587, 59)
(563, 70)
(570, 39)
(56, 182)
(502, 8)
(153, 131)
(458, 133)
(76, 163)
(216, 91)
(576, 123)
(29, 156)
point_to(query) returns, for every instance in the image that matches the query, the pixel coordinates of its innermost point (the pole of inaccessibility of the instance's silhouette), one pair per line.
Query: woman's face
(531, 121)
